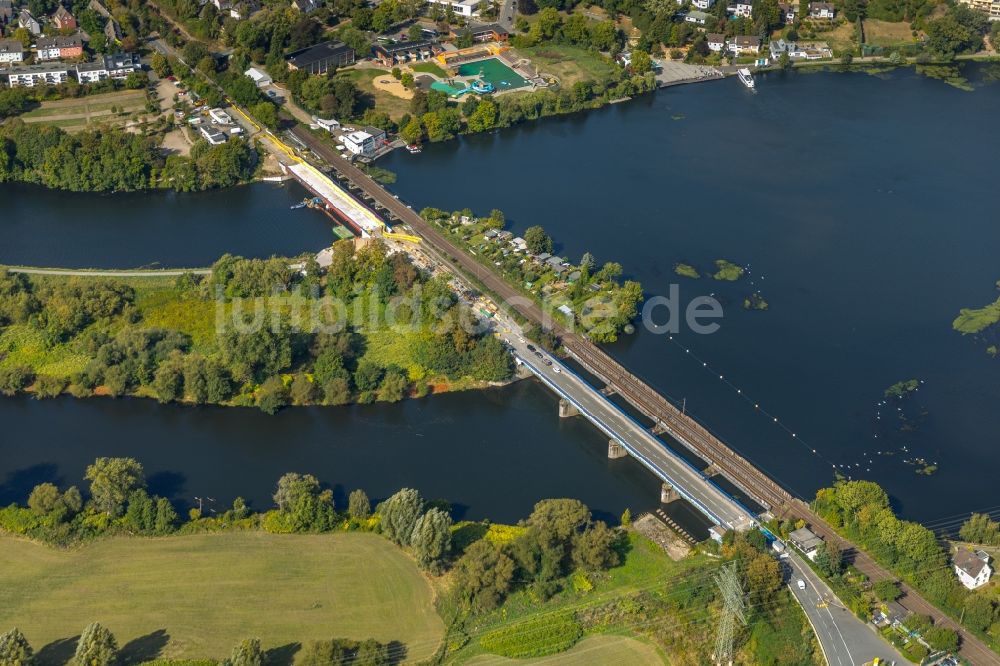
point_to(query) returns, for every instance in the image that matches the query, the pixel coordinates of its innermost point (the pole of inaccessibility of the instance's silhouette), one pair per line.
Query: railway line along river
(862, 206)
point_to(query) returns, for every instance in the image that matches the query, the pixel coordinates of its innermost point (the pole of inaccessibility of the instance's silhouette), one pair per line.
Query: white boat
(746, 77)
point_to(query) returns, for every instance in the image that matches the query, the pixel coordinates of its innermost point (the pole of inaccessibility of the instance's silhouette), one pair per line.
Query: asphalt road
(689, 482)
(844, 639)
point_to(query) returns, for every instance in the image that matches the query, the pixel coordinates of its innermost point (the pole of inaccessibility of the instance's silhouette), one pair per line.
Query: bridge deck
(689, 483)
(337, 198)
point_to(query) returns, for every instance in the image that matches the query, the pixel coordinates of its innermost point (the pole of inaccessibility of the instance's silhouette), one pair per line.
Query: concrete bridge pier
(658, 429)
(616, 450)
(608, 390)
(711, 470)
(668, 494)
(566, 410)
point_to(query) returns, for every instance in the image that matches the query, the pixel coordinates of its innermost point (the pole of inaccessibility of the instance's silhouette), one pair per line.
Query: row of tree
(97, 646)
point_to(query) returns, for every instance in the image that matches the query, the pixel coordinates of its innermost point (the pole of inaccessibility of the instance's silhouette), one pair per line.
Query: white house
(703, 4)
(33, 75)
(807, 542)
(359, 143)
(972, 568)
(741, 44)
(220, 117)
(697, 17)
(26, 20)
(259, 77)
(716, 42)
(212, 135)
(822, 10)
(328, 124)
(11, 50)
(466, 8)
(744, 8)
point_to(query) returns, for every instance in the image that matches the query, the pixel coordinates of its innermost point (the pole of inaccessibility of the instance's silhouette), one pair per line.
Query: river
(862, 205)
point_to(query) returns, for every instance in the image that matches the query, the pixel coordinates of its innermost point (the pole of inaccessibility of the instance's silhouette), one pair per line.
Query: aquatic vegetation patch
(727, 271)
(686, 270)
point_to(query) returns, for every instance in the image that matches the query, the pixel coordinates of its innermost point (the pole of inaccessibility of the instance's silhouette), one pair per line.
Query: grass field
(593, 651)
(428, 68)
(568, 63)
(396, 107)
(197, 596)
(78, 113)
(884, 33)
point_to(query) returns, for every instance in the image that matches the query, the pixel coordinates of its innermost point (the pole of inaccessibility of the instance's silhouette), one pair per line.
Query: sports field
(197, 596)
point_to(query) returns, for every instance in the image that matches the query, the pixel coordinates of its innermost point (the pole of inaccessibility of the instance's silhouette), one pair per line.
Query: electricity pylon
(733, 611)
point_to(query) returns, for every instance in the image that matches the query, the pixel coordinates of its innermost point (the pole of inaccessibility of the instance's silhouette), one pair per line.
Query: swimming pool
(493, 71)
(453, 91)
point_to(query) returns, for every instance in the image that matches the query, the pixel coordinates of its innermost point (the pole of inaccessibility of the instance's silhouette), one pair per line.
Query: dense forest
(255, 333)
(113, 160)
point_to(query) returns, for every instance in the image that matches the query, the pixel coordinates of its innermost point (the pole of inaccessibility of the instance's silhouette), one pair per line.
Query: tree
(368, 375)
(431, 539)
(393, 387)
(483, 576)
(981, 529)
(641, 62)
(413, 131)
(43, 499)
(159, 64)
(358, 505)
(246, 653)
(304, 391)
(97, 647)
(763, 576)
(626, 519)
(293, 485)
(979, 611)
(887, 590)
(112, 480)
(273, 395)
(15, 649)
(941, 638)
(266, 113)
(415, 33)
(168, 383)
(538, 241)
(593, 549)
(399, 515)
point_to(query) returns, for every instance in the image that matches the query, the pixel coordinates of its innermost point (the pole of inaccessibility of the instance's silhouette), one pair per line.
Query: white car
(801, 583)
(556, 369)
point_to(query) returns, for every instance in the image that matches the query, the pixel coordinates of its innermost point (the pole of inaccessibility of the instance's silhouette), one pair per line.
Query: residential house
(716, 42)
(389, 55)
(34, 75)
(890, 614)
(112, 32)
(789, 11)
(466, 8)
(116, 66)
(59, 47)
(989, 7)
(697, 17)
(26, 20)
(212, 135)
(63, 20)
(11, 50)
(807, 542)
(796, 51)
(6, 11)
(741, 44)
(320, 58)
(243, 9)
(743, 8)
(261, 78)
(95, 5)
(972, 567)
(305, 6)
(821, 10)
(703, 4)
(520, 245)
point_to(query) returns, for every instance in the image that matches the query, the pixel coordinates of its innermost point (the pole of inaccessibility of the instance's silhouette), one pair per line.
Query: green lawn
(569, 63)
(207, 592)
(592, 651)
(428, 68)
